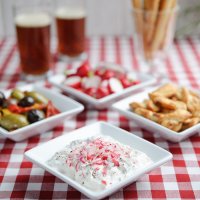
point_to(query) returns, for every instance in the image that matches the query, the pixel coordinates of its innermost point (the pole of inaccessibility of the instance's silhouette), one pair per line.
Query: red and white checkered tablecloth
(178, 179)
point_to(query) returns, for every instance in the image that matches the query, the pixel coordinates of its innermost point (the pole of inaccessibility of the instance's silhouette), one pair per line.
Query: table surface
(179, 178)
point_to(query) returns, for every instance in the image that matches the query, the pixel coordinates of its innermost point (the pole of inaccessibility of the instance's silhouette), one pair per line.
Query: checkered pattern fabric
(177, 179)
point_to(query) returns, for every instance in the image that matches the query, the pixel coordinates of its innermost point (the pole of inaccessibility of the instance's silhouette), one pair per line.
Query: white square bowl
(41, 154)
(105, 102)
(65, 105)
(124, 108)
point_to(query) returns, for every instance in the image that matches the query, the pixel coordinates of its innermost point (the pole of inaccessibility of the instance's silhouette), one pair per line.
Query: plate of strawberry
(101, 86)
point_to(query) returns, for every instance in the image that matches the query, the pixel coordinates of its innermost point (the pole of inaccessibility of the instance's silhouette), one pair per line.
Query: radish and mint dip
(98, 162)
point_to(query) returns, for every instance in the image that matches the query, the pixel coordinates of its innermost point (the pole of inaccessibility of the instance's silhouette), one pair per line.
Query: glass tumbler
(154, 33)
(33, 39)
(70, 18)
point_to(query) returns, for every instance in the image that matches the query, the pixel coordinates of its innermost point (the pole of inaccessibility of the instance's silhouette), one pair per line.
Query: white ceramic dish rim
(110, 190)
(80, 94)
(49, 119)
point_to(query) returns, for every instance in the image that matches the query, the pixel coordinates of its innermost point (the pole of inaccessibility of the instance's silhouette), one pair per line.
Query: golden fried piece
(196, 113)
(135, 105)
(151, 106)
(178, 95)
(185, 95)
(165, 111)
(172, 124)
(167, 90)
(156, 117)
(170, 104)
(179, 115)
(193, 104)
(194, 94)
(190, 122)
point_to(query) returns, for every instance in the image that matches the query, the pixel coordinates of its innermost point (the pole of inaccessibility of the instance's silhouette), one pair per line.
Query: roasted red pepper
(17, 109)
(51, 110)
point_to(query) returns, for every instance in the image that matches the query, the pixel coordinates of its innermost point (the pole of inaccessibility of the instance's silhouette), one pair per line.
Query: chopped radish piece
(105, 83)
(108, 74)
(102, 92)
(91, 92)
(91, 82)
(131, 76)
(83, 69)
(73, 81)
(126, 83)
(115, 85)
(99, 71)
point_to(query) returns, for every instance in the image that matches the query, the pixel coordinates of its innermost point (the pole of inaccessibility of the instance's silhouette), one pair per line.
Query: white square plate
(124, 108)
(41, 154)
(104, 102)
(66, 106)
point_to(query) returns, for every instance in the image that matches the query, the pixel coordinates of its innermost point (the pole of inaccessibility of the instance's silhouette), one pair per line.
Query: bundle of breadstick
(153, 23)
(176, 108)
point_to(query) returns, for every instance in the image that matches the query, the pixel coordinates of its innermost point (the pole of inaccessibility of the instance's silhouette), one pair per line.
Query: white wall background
(105, 17)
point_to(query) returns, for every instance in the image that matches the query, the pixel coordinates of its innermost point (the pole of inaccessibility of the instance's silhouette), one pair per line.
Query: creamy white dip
(98, 162)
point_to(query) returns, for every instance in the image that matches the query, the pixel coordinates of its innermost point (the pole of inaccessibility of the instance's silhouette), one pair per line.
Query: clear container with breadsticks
(154, 22)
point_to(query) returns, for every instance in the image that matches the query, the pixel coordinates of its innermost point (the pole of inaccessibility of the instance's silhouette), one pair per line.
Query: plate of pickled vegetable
(32, 109)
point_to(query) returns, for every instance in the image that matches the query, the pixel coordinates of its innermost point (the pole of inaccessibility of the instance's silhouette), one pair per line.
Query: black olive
(2, 98)
(5, 104)
(26, 101)
(35, 115)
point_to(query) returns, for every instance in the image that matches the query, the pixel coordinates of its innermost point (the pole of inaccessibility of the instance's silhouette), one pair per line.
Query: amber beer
(33, 38)
(71, 31)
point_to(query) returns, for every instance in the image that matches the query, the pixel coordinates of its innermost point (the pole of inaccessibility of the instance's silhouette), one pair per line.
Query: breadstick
(169, 26)
(153, 9)
(137, 4)
(161, 24)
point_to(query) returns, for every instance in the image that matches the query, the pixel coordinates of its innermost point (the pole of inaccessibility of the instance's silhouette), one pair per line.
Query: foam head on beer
(70, 13)
(32, 20)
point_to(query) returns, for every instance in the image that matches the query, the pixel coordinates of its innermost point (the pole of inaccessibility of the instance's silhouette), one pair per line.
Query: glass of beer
(33, 39)
(70, 22)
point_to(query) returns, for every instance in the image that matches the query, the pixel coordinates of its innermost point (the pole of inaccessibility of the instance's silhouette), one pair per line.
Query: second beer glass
(70, 22)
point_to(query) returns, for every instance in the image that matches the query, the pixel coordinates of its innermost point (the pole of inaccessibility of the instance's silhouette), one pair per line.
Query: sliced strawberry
(73, 81)
(115, 85)
(84, 69)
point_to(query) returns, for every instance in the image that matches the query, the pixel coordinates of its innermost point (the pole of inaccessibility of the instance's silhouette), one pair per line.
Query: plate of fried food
(169, 110)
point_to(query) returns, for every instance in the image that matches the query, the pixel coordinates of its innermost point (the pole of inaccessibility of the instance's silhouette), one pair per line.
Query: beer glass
(70, 23)
(33, 39)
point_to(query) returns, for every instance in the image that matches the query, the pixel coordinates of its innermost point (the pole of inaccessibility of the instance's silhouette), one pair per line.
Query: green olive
(39, 98)
(5, 111)
(13, 121)
(17, 94)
